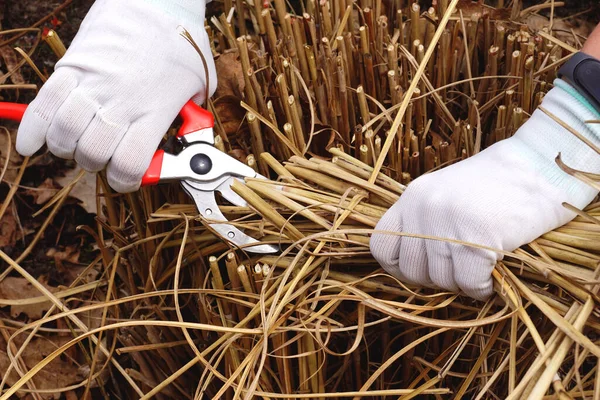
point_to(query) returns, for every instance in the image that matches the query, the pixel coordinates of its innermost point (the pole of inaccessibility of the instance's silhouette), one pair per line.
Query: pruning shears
(202, 170)
(200, 167)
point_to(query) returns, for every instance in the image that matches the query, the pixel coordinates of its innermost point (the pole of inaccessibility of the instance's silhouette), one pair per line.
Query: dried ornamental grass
(350, 101)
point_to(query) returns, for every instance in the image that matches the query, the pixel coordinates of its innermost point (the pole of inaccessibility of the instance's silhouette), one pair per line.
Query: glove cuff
(564, 85)
(187, 11)
(574, 110)
(543, 135)
(541, 139)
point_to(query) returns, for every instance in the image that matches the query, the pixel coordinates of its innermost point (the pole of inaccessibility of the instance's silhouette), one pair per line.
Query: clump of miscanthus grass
(343, 104)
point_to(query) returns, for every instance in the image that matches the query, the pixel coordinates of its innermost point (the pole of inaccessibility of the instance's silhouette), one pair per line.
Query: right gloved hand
(120, 85)
(503, 197)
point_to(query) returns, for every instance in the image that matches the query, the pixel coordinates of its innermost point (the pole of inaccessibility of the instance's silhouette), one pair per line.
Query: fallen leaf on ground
(43, 193)
(74, 272)
(84, 190)
(231, 115)
(561, 29)
(16, 288)
(59, 373)
(7, 148)
(230, 77)
(12, 61)
(92, 318)
(69, 254)
(8, 230)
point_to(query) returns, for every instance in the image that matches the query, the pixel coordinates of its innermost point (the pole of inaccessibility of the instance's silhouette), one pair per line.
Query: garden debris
(8, 230)
(13, 288)
(61, 372)
(44, 192)
(84, 190)
(231, 76)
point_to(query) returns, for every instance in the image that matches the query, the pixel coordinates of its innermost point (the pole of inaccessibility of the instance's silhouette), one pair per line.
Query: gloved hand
(120, 85)
(503, 197)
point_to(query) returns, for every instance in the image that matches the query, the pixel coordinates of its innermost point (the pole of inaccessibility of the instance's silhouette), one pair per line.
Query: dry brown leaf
(230, 76)
(8, 230)
(4, 144)
(84, 190)
(69, 254)
(71, 395)
(44, 192)
(561, 29)
(239, 155)
(8, 146)
(477, 8)
(70, 257)
(61, 372)
(75, 272)
(23, 232)
(231, 115)
(92, 318)
(11, 60)
(15, 288)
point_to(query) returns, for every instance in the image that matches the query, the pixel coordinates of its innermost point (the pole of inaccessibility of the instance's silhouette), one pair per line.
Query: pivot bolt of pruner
(201, 164)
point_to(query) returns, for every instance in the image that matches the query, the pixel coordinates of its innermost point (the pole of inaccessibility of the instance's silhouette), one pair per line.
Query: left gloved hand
(503, 197)
(121, 84)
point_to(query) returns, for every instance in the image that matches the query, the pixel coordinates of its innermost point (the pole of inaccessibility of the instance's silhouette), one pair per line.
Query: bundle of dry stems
(345, 102)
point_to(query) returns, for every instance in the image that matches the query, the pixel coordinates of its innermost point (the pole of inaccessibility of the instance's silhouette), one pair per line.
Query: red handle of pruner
(194, 118)
(12, 111)
(152, 175)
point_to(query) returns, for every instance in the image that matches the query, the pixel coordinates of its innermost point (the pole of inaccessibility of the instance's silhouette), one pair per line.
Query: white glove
(503, 197)
(121, 84)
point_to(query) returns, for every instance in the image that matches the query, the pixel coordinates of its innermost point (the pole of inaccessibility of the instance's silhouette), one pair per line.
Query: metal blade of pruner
(202, 171)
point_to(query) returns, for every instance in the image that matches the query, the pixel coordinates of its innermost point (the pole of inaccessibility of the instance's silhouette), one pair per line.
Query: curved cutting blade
(209, 209)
